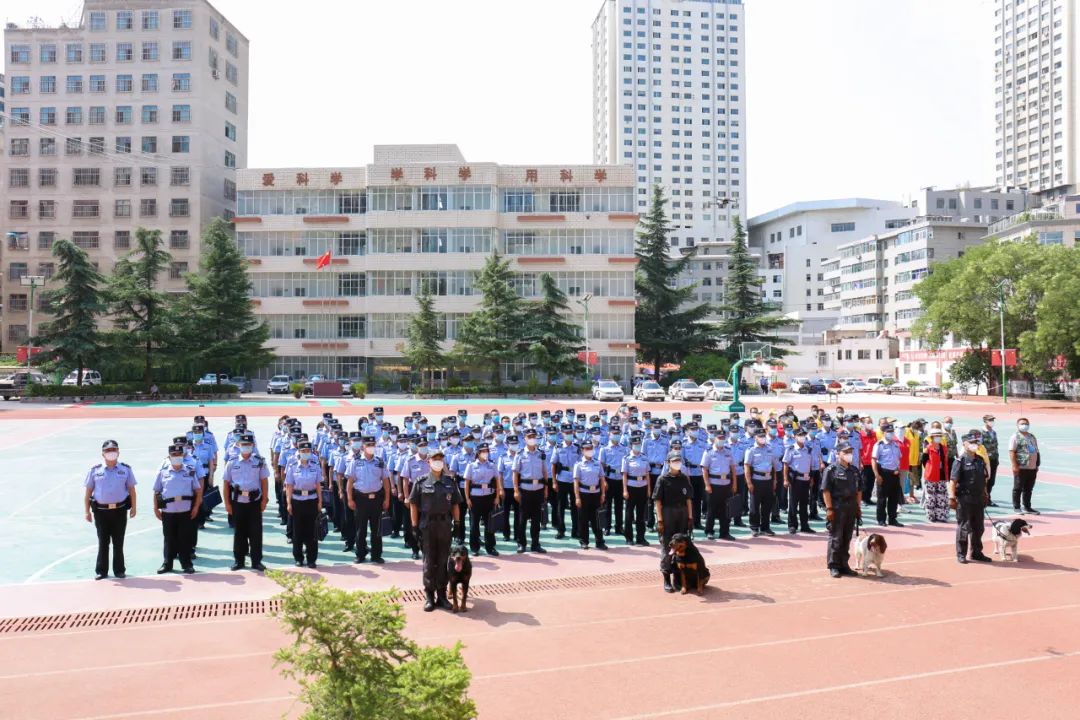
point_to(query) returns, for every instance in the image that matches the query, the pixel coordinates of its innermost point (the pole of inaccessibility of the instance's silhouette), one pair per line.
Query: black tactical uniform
(968, 488)
(435, 499)
(841, 483)
(673, 495)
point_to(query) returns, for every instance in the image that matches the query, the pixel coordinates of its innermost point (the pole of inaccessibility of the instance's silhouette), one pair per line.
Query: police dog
(689, 564)
(870, 550)
(459, 571)
(1007, 537)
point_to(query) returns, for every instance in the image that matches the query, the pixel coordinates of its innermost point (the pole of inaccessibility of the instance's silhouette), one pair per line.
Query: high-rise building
(423, 215)
(669, 100)
(1036, 88)
(136, 117)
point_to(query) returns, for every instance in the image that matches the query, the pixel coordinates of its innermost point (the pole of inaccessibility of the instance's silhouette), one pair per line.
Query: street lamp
(584, 302)
(1004, 288)
(33, 282)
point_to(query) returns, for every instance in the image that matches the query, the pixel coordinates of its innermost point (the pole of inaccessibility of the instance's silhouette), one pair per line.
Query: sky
(868, 98)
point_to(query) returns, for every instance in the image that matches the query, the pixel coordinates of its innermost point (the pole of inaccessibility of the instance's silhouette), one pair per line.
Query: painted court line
(126, 666)
(187, 708)
(772, 643)
(77, 553)
(852, 686)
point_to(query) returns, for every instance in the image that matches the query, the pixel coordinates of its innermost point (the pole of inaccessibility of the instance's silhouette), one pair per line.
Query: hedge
(180, 389)
(506, 390)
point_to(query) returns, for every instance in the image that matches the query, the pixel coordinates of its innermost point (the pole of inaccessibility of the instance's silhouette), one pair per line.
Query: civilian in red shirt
(868, 438)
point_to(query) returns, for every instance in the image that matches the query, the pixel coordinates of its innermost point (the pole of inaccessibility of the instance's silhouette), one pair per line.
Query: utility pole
(584, 303)
(1003, 288)
(33, 282)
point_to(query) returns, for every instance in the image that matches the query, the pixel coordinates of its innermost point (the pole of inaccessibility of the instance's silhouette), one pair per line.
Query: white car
(212, 379)
(875, 383)
(685, 390)
(718, 390)
(279, 384)
(607, 390)
(89, 377)
(856, 386)
(798, 384)
(649, 390)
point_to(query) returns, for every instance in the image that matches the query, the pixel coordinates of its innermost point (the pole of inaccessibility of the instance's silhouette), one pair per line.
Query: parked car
(604, 390)
(800, 385)
(685, 390)
(212, 379)
(819, 386)
(309, 383)
(89, 377)
(854, 386)
(14, 385)
(279, 384)
(346, 386)
(648, 390)
(242, 383)
(718, 390)
(875, 383)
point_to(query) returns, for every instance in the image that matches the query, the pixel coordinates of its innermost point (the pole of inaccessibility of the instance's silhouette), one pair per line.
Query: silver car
(685, 390)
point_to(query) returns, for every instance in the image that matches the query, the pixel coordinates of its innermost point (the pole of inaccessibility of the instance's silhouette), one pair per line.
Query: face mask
(500, 437)
(431, 437)
(378, 418)
(813, 434)
(972, 447)
(800, 441)
(197, 437)
(849, 425)
(369, 450)
(111, 456)
(846, 457)
(675, 465)
(246, 449)
(176, 461)
(948, 426)
(356, 444)
(937, 439)
(402, 445)
(761, 440)
(531, 442)
(587, 453)
(437, 465)
(718, 442)
(413, 446)
(513, 447)
(454, 440)
(655, 433)
(470, 446)
(305, 455)
(890, 436)
(772, 432)
(636, 448)
(613, 440)
(1023, 427)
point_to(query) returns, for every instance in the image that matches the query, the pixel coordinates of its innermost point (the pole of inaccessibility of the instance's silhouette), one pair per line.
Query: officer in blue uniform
(483, 493)
(797, 465)
(245, 488)
(611, 457)
(886, 464)
(655, 447)
(110, 497)
(368, 482)
(776, 445)
(530, 490)
(563, 458)
(177, 497)
(693, 450)
(589, 492)
(303, 497)
(719, 473)
(759, 465)
(505, 467)
(740, 441)
(456, 464)
(637, 489)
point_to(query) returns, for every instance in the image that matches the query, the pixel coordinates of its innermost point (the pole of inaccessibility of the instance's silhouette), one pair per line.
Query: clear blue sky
(845, 97)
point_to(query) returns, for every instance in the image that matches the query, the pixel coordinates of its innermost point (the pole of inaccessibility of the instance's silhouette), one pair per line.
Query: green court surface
(46, 538)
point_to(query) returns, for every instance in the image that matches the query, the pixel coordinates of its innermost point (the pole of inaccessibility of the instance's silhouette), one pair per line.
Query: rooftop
(817, 205)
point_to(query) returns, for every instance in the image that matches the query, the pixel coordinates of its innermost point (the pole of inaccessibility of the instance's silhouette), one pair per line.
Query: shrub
(181, 389)
(888, 382)
(777, 385)
(296, 387)
(912, 384)
(359, 389)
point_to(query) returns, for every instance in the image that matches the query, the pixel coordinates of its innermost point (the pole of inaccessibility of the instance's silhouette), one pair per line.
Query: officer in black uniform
(673, 499)
(968, 497)
(841, 484)
(433, 501)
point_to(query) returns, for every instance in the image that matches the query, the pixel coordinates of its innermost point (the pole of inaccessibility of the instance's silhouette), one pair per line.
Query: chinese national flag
(323, 261)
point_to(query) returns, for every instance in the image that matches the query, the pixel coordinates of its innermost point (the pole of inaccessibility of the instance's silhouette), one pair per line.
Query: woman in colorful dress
(935, 475)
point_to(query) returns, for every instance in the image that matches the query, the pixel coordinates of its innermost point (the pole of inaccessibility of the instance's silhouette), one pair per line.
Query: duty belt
(756, 475)
(122, 505)
(590, 488)
(797, 475)
(251, 495)
(304, 494)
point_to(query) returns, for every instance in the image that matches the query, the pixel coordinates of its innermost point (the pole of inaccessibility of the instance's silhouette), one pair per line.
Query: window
(17, 333)
(230, 159)
(519, 201)
(47, 116)
(124, 115)
(178, 240)
(86, 177)
(230, 130)
(97, 83)
(17, 303)
(181, 19)
(123, 144)
(20, 54)
(214, 28)
(177, 270)
(179, 176)
(47, 54)
(149, 114)
(19, 177)
(48, 84)
(18, 270)
(231, 73)
(124, 84)
(179, 207)
(85, 209)
(181, 113)
(149, 51)
(122, 209)
(20, 147)
(122, 177)
(231, 44)
(125, 20)
(45, 241)
(74, 52)
(148, 207)
(181, 82)
(149, 144)
(73, 146)
(20, 85)
(150, 20)
(148, 176)
(122, 239)
(74, 84)
(125, 52)
(97, 22)
(843, 227)
(98, 53)
(181, 50)
(47, 177)
(230, 102)
(181, 144)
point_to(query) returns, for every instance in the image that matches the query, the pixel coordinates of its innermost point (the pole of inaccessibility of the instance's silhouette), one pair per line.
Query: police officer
(761, 481)
(483, 493)
(303, 498)
(611, 457)
(990, 442)
(841, 484)
(433, 500)
(563, 458)
(885, 461)
(589, 491)
(799, 460)
(368, 483)
(637, 489)
(245, 492)
(110, 495)
(718, 471)
(530, 490)
(968, 497)
(693, 450)
(177, 497)
(505, 467)
(673, 498)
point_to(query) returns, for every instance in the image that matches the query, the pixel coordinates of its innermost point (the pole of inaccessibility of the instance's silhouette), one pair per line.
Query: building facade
(1056, 223)
(423, 215)
(135, 118)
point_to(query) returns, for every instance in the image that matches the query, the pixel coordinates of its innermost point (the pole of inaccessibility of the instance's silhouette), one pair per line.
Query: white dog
(870, 550)
(1007, 537)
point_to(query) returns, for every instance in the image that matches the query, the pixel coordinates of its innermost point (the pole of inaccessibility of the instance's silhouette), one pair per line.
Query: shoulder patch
(96, 467)
(125, 465)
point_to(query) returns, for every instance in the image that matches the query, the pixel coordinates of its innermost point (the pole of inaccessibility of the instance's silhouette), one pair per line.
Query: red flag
(323, 261)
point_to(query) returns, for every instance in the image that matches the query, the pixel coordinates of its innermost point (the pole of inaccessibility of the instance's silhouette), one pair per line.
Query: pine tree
(218, 326)
(667, 326)
(142, 314)
(746, 316)
(72, 336)
(423, 350)
(553, 341)
(492, 334)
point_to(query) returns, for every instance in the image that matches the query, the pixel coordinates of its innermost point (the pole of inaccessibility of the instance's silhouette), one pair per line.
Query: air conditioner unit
(214, 74)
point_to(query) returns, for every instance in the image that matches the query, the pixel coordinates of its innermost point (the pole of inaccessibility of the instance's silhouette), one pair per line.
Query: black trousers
(564, 502)
(509, 503)
(398, 513)
(970, 523)
(305, 541)
(410, 533)
(653, 477)
(1023, 484)
(614, 504)
(798, 509)
(529, 514)
(697, 482)
(348, 522)
(586, 518)
(816, 496)
(282, 502)
(675, 521)
(247, 531)
(717, 502)
(889, 495)
(762, 503)
(781, 495)
(367, 516)
(993, 475)
(110, 526)
(463, 507)
(840, 531)
(868, 482)
(744, 506)
(435, 544)
(634, 522)
(179, 531)
(481, 513)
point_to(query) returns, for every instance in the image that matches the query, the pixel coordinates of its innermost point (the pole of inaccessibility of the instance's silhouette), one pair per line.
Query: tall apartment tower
(1036, 85)
(669, 99)
(135, 118)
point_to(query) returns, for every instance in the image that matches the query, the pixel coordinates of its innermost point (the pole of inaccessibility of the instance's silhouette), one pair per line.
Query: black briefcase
(211, 498)
(545, 514)
(603, 516)
(327, 497)
(497, 520)
(324, 526)
(386, 525)
(735, 505)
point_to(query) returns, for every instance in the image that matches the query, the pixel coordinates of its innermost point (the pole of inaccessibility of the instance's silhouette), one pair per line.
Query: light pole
(584, 303)
(1003, 288)
(33, 282)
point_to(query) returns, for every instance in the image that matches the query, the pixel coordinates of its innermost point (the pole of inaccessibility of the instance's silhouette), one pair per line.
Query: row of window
(99, 52)
(123, 83)
(20, 147)
(122, 115)
(84, 209)
(179, 176)
(125, 20)
(87, 240)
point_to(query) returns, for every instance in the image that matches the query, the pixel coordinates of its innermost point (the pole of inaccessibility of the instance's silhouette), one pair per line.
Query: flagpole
(324, 260)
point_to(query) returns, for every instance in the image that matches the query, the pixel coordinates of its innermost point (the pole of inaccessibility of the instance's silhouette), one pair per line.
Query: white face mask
(846, 457)
(675, 465)
(175, 461)
(437, 465)
(1023, 427)
(112, 455)
(587, 453)
(531, 442)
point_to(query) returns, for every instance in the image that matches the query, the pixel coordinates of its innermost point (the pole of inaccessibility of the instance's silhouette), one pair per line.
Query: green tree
(746, 317)
(1057, 333)
(705, 366)
(553, 341)
(423, 350)
(667, 326)
(352, 660)
(218, 327)
(72, 336)
(142, 314)
(492, 334)
(973, 368)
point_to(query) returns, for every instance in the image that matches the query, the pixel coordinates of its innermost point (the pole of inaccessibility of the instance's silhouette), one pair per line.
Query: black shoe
(429, 605)
(538, 549)
(395, 534)
(792, 531)
(378, 561)
(120, 575)
(312, 565)
(755, 533)
(807, 529)
(358, 559)
(739, 523)
(881, 523)
(981, 558)
(1032, 511)
(961, 559)
(775, 519)
(710, 536)
(573, 535)
(493, 552)
(415, 554)
(258, 566)
(520, 549)
(644, 543)
(770, 533)
(896, 523)
(560, 536)
(814, 517)
(992, 504)
(601, 546)
(727, 536)
(237, 566)
(298, 563)
(443, 603)
(166, 568)
(350, 548)
(847, 571)
(667, 585)
(835, 572)
(189, 570)
(583, 546)
(101, 576)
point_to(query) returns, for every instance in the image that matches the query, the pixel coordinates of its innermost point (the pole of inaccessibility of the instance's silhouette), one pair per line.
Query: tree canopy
(552, 339)
(423, 349)
(141, 311)
(492, 334)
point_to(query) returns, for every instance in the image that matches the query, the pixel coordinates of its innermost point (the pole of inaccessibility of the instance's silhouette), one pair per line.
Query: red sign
(1010, 358)
(923, 355)
(21, 354)
(592, 360)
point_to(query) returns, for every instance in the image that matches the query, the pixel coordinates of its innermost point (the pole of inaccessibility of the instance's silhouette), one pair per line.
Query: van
(876, 382)
(89, 377)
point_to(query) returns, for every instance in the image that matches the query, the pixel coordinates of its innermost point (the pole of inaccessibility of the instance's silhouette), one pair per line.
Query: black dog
(459, 570)
(689, 563)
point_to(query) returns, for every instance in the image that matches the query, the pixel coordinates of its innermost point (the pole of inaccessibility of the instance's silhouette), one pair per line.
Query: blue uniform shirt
(529, 465)
(481, 476)
(176, 483)
(761, 462)
(656, 451)
(505, 466)
(692, 454)
(611, 457)
(566, 456)
(366, 475)
(246, 475)
(588, 472)
(636, 466)
(720, 464)
(110, 485)
(799, 461)
(304, 479)
(887, 454)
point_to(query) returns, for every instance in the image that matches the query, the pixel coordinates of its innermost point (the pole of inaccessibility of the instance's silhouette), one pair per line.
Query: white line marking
(77, 553)
(188, 708)
(125, 666)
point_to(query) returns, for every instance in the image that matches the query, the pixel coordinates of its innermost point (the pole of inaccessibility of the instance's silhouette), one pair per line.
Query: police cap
(711, 428)
(676, 415)
(110, 445)
(512, 439)
(378, 410)
(566, 427)
(355, 435)
(889, 428)
(178, 440)
(587, 445)
(760, 433)
(972, 436)
(241, 418)
(462, 412)
(674, 456)
(696, 417)
(176, 449)
(436, 453)
(369, 440)
(201, 419)
(530, 433)
(842, 447)
(247, 438)
(800, 432)
(198, 428)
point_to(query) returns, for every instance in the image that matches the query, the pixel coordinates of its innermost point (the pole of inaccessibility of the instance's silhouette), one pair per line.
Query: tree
(746, 316)
(972, 368)
(352, 660)
(553, 341)
(141, 313)
(218, 327)
(492, 334)
(667, 326)
(72, 336)
(705, 366)
(423, 350)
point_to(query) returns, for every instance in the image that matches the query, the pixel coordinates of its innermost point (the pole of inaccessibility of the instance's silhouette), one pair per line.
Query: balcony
(1053, 212)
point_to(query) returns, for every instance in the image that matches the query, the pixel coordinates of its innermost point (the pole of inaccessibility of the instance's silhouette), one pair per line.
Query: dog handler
(433, 500)
(841, 485)
(674, 498)
(968, 497)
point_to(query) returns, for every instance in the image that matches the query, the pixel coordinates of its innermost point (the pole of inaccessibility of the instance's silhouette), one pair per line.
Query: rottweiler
(689, 564)
(459, 570)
